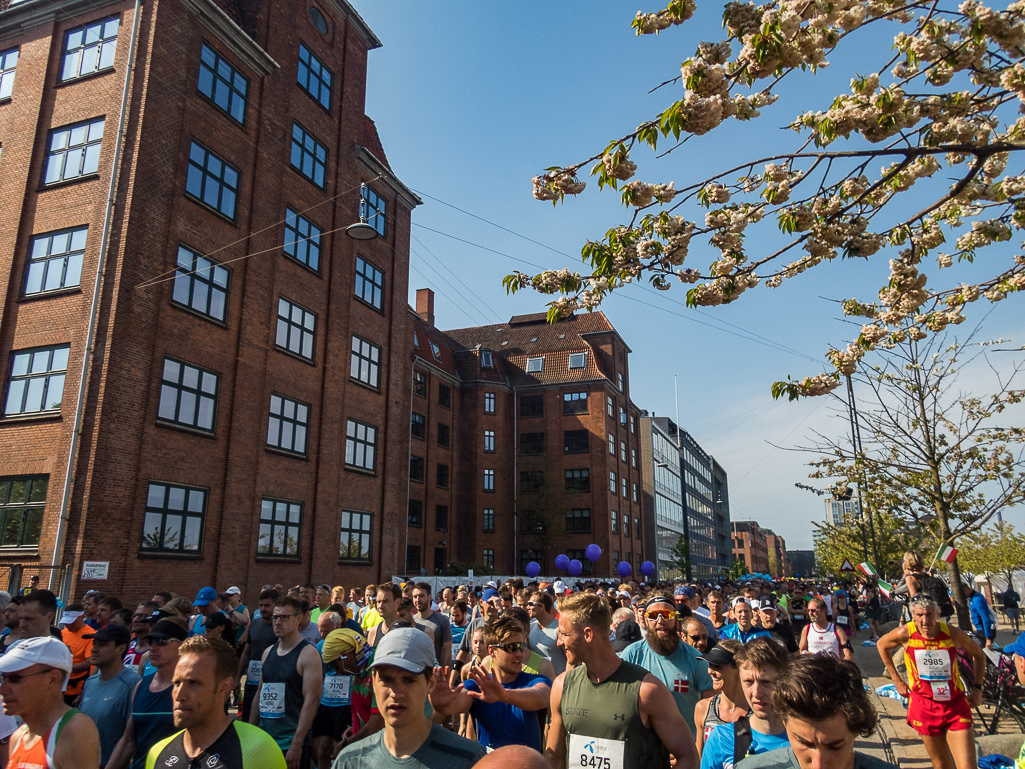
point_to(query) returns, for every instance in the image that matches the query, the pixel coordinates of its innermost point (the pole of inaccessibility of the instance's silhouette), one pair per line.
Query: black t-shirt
(240, 746)
(785, 636)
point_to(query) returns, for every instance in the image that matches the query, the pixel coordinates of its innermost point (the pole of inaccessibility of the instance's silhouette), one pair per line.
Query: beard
(664, 645)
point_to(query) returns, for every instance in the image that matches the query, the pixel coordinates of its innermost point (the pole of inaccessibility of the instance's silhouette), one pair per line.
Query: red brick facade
(124, 445)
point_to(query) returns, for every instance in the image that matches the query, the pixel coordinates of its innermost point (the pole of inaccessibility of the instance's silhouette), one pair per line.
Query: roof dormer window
(436, 350)
(577, 360)
(486, 359)
(535, 365)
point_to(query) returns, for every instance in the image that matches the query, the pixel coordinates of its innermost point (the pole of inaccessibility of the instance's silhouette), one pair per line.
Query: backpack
(936, 588)
(742, 739)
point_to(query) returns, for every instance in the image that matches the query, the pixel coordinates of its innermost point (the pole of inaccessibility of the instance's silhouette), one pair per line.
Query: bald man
(513, 757)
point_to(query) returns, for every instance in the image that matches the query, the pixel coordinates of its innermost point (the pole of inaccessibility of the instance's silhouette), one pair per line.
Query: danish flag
(681, 686)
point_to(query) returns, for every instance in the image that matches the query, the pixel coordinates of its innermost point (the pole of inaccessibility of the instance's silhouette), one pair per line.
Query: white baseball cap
(46, 650)
(560, 587)
(69, 616)
(233, 591)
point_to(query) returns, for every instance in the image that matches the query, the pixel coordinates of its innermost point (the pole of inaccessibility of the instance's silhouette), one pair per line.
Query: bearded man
(678, 665)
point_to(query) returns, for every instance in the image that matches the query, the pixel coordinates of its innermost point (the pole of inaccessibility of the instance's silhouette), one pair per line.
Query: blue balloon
(575, 567)
(624, 569)
(593, 553)
(533, 569)
(561, 562)
(647, 568)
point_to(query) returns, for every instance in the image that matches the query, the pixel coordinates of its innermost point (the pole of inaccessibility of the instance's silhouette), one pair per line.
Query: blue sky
(472, 99)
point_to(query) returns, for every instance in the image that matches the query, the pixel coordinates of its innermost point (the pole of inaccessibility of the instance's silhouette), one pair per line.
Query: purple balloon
(647, 568)
(593, 553)
(623, 569)
(575, 567)
(561, 562)
(533, 569)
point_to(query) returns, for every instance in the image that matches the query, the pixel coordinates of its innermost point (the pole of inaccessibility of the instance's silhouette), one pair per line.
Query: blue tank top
(152, 719)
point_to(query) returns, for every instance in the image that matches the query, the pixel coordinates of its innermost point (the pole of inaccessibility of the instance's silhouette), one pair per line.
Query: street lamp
(362, 230)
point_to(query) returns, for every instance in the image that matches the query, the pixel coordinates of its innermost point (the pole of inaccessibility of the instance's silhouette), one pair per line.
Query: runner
(388, 596)
(77, 636)
(823, 637)
(619, 710)
(743, 629)
(260, 638)
(502, 702)
(142, 622)
(291, 679)
(403, 669)
(347, 653)
(824, 707)
(843, 615)
(438, 622)
(728, 704)
(781, 633)
(678, 665)
(210, 738)
(54, 736)
(107, 694)
(759, 664)
(334, 715)
(938, 708)
(544, 629)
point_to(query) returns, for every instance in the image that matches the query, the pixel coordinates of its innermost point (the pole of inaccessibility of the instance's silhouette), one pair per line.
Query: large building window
(444, 435)
(581, 555)
(314, 77)
(211, 181)
(360, 445)
(356, 532)
(612, 444)
(223, 84)
(489, 520)
(8, 63)
(420, 384)
(174, 518)
(201, 284)
(532, 405)
(489, 441)
(532, 443)
(296, 330)
(188, 395)
(73, 151)
(526, 556)
(623, 485)
(22, 501)
(373, 209)
(531, 481)
(36, 383)
(302, 239)
(441, 476)
(489, 557)
(444, 396)
(89, 49)
(489, 403)
(279, 527)
(612, 481)
(55, 260)
(441, 517)
(309, 156)
(365, 365)
(574, 403)
(578, 480)
(369, 283)
(418, 426)
(413, 559)
(574, 441)
(578, 520)
(416, 468)
(415, 513)
(489, 480)
(288, 424)
(615, 523)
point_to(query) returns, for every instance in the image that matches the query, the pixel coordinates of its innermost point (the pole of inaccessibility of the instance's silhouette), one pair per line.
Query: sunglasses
(511, 648)
(282, 617)
(15, 678)
(697, 638)
(164, 641)
(655, 614)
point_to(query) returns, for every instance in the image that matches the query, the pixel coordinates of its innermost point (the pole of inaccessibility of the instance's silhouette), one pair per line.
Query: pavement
(894, 740)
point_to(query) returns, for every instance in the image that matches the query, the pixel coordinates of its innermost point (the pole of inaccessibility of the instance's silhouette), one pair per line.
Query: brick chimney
(425, 305)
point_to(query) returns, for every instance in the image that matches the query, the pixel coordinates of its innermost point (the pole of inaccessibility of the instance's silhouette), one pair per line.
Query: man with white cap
(403, 672)
(77, 636)
(238, 612)
(55, 736)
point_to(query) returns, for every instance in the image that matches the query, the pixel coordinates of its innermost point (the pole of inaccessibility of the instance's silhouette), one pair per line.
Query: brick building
(776, 547)
(750, 545)
(204, 380)
(524, 445)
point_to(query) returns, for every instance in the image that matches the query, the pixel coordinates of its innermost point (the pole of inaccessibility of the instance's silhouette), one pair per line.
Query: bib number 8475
(595, 762)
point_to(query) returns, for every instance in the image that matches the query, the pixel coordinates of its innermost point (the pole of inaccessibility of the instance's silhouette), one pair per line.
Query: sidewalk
(894, 740)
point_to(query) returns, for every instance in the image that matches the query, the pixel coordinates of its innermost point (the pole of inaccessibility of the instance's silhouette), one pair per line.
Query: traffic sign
(846, 566)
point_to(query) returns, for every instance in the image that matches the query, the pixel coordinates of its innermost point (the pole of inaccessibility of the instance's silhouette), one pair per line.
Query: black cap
(718, 655)
(119, 634)
(158, 615)
(166, 630)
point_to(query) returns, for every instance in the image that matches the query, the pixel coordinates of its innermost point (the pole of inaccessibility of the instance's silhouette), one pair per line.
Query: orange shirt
(81, 650)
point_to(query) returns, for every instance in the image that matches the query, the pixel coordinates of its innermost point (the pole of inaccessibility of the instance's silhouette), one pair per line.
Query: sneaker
(874, 638)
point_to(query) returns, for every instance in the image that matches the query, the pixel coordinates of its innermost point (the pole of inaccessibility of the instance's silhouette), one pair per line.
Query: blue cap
(1018, 647)
(684, 590)
(490, 593)
(205, 596)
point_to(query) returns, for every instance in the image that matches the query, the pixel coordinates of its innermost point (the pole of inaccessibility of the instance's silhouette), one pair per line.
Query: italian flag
(868, 569)
(948, 553)
(885, 588)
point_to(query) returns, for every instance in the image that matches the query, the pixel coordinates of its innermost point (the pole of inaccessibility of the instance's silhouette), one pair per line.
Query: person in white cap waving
(33, 673)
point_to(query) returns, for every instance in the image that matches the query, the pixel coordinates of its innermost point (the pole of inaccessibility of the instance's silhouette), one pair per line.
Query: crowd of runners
(585, 676)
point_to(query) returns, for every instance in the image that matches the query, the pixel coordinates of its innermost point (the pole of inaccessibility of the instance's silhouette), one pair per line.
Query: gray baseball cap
(407, 648)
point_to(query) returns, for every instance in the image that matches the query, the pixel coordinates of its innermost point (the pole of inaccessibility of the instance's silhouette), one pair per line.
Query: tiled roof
(426, 336)
(370, 140)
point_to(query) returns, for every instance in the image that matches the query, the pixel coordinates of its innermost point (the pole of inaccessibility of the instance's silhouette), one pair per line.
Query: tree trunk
(964, 616)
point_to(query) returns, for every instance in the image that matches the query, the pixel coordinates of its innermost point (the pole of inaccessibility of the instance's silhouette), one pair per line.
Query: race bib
(272, 701)
(594, 753)
(940, 691)
(933, 665)
(336, 689)
(253, 672)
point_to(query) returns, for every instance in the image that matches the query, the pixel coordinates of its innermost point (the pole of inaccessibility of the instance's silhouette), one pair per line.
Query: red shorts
(933, 718)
